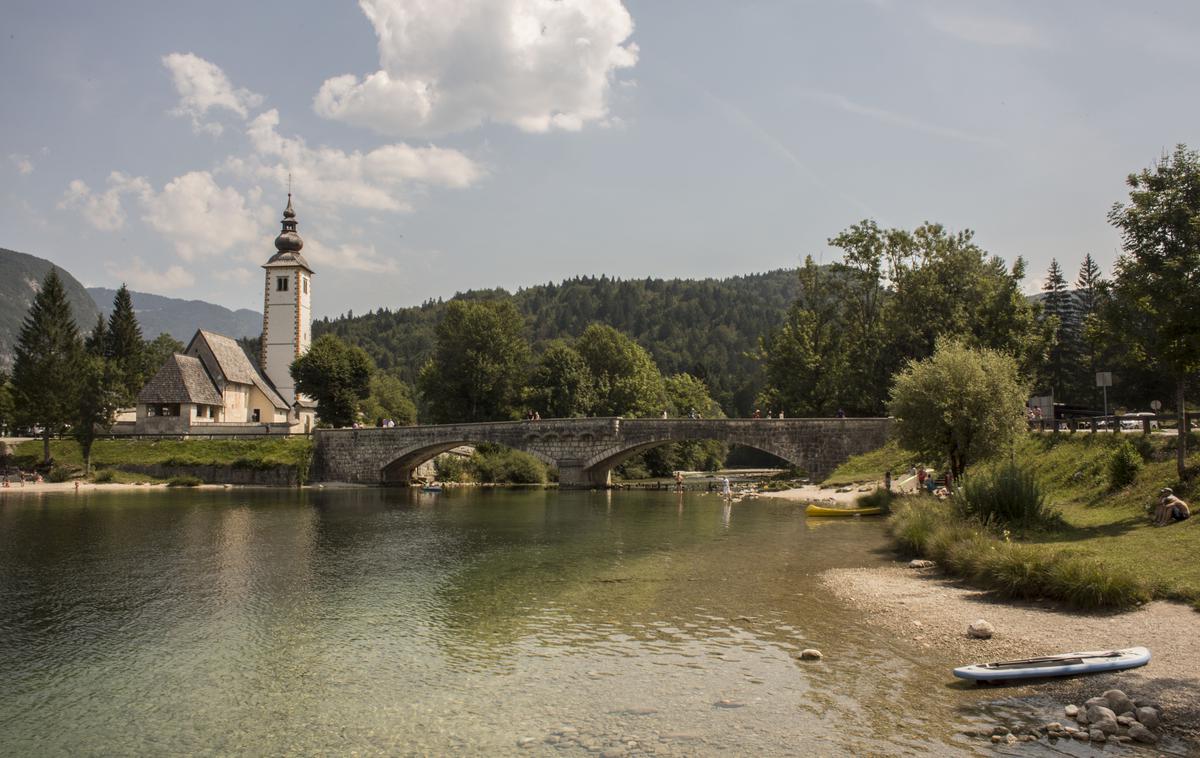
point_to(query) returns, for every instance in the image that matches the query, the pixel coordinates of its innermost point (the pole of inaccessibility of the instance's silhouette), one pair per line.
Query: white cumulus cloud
(350, 256)
(137, 275)
(203, 86)
(377, 180)
(449, 65)
(103, 210)
(201, 217)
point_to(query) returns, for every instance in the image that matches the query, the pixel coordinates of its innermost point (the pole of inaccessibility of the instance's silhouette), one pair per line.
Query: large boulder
(1148, 716)
(1118, 701)
(1141, 734)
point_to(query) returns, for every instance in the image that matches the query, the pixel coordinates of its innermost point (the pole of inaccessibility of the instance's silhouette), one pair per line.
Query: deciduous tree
(337, 376)
(627, 382)
(959, 405)
(1156, 283)
(480, 363)
(562, 385)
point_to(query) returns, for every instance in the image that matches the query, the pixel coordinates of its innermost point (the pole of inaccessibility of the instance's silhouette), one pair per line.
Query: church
(213, 387)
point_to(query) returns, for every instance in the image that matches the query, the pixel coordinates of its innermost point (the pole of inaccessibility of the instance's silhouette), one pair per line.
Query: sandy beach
(813, 493)
(930, 610)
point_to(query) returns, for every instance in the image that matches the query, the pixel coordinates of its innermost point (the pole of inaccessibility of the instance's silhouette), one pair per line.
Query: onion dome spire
(289, 240)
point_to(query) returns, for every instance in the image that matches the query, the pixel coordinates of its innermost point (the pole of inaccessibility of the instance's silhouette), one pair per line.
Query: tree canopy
(959, 405)
(337, 376)
(45, 369)
(479, 364)
(1155, 309)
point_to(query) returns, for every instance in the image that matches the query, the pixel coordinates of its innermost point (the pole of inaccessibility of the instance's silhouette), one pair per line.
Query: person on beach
(921, 474)
(1170, 508)
(887, 480)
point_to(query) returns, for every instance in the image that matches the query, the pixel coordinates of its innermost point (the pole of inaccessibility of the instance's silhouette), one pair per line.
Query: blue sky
(441, 145)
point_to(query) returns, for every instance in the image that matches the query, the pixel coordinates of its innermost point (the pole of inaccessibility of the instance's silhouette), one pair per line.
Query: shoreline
(927, 610)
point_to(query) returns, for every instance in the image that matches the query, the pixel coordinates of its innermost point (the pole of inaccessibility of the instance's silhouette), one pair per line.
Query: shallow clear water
(469, 622)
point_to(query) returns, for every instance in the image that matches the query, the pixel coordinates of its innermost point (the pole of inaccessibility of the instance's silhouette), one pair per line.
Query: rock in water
(980, 630)
(1141, 734)
(1097, 735)
(1148, 716)
(1118, 701)
(811, 654)
(1072, 711)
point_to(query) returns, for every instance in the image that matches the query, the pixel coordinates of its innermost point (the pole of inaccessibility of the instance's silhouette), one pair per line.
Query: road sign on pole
(1104, 379)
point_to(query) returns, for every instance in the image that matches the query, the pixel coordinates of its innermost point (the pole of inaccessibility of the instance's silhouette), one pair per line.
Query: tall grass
(1007, 495)
(971, 551)
(878, 498)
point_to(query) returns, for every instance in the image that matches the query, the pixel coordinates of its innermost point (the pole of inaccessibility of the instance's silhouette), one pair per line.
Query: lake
(469, 622)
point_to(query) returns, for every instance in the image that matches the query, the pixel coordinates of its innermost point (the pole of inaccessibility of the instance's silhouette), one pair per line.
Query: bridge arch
(598, 468)
(400, 469)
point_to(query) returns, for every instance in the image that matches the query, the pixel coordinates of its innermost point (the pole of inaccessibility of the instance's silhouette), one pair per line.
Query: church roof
(182, 379)
(233, 363)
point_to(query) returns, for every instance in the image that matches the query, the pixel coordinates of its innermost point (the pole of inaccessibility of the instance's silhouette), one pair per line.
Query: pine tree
(126, 348)
(1089, 288)
(96, 343)
(1059, 305)
(46, 365)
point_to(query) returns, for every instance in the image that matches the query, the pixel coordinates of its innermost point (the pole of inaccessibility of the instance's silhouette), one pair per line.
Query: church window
(255, 416)
(305, 280)
(281, 284)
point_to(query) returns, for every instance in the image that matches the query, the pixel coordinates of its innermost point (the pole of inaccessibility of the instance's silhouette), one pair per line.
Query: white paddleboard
(1064, 664)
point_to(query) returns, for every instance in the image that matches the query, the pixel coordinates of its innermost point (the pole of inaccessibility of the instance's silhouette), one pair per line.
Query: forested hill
(20, 277)
(706, 327)
(181, 318)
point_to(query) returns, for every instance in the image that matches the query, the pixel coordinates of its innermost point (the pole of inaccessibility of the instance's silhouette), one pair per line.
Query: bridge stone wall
(586, 450)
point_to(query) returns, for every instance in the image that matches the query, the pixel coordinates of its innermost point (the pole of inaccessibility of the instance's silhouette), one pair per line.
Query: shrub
(1006, 495)
(62, 473)
(1124, 466)
(1089, 583)
(508, 467)
(449, 467)
(914, 523)
(185, 481)
(1019, 571)
(104, 476)
(880, 498)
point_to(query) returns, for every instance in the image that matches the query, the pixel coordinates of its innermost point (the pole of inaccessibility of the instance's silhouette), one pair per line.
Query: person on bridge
(757, 413)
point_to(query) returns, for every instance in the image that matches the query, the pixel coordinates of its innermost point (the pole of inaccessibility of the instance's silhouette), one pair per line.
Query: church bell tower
(287, 309)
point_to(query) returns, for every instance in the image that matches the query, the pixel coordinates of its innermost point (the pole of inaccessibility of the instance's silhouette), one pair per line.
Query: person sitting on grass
(1170, 508)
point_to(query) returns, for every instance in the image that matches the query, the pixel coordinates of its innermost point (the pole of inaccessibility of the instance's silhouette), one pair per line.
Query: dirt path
(932, 611)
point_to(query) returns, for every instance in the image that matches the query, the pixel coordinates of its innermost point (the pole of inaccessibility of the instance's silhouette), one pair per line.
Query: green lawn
(266, 452)
(1112, 526)
(869, 467)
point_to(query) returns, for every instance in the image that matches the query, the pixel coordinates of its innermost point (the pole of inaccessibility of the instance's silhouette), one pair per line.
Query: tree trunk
(1181, 452)
(46, 445)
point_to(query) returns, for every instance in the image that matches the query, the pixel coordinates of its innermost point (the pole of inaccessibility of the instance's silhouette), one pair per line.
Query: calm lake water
(260, 622)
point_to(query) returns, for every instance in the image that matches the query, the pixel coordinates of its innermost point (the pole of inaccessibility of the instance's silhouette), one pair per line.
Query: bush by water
(1005, 495)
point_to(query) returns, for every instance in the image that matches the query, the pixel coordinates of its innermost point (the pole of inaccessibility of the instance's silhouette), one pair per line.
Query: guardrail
(1146, 424)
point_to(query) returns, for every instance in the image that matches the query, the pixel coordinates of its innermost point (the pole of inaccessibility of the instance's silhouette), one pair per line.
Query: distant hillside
(20, 277)
(706, 327)
(181, 318)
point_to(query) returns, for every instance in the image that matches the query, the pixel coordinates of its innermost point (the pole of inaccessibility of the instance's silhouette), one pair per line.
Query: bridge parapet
(586, 450)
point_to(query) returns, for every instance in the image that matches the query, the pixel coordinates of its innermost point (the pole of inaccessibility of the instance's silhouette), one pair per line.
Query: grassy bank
(1101, 552)
(110, 455)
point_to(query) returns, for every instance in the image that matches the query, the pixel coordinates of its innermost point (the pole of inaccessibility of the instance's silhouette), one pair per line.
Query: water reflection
(395, 621)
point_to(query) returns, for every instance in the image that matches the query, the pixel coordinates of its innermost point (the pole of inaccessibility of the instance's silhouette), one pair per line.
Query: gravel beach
(930, 610)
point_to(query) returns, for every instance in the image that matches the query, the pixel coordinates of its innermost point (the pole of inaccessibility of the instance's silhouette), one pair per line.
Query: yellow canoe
(819, 510)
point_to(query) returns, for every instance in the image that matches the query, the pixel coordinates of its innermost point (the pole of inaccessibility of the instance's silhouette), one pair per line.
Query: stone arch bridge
(585, 450)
